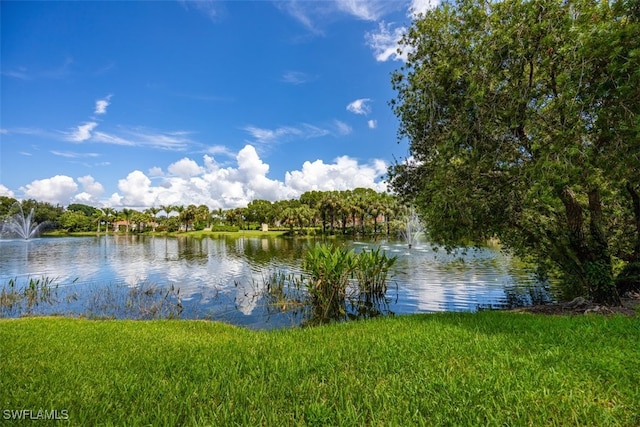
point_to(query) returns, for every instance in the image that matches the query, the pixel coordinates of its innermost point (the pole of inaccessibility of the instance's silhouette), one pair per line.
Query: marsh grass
(487, 368)
(25, 299)
(144, 301)
(44, 296)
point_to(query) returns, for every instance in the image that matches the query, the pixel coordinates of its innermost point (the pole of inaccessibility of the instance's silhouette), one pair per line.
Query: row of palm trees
(185, 218)
(358, 211)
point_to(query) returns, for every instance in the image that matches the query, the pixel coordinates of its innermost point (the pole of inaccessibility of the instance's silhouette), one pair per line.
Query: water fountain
(412, 228)
(21, 225)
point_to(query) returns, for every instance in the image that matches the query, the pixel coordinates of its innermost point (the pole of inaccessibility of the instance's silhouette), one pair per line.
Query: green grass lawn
(487, 368)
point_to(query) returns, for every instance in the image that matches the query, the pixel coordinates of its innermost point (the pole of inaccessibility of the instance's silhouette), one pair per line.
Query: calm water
(222, 278)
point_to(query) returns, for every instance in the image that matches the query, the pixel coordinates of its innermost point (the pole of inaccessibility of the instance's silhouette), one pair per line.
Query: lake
(225, 278)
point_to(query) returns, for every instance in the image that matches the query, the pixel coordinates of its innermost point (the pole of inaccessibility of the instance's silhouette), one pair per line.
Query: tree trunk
(599, 271)
(635, 200)
(592, 254)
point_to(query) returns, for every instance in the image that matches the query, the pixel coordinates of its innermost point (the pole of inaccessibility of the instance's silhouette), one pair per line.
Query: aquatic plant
(346, 285)
(330, 268)
(22, 300)
(372, 268)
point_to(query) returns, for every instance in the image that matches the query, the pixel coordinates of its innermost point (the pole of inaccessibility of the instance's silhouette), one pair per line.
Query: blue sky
(138, 104)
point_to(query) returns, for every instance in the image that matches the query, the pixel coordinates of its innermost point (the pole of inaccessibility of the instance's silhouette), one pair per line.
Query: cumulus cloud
(156, 171)
(91, 186)
(209, 182)
(102, 104)
(4, 191)
(56, 190)
(386, 42)
(360, 106)
(184, 168)
(344, 174)
(372, 124)
(82, 132)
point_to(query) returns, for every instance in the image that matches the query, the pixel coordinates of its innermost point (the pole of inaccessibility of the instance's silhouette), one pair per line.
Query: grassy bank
(488, 368)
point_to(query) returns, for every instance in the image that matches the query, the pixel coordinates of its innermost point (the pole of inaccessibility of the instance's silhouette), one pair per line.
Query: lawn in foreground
(487, 368)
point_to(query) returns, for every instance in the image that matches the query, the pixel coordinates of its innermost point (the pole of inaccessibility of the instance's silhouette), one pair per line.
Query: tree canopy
(523, 123)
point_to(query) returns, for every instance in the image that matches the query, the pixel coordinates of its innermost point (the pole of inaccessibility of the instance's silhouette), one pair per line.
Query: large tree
(523, 123)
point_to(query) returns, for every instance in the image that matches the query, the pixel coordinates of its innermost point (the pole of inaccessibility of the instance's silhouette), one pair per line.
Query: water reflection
(225, 278)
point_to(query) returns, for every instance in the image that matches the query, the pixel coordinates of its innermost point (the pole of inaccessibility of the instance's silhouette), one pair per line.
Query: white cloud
(286, 133)
(82, 132)
(184, 168)
(137, 191)
(372, 124)
(271, 135)
(219, 149)
(360, 106)
(91, 191)
(56, 190)
(102, 104)
(345, 173)
(4, 191)
(71, 154)
(156, 171)
(302, 10)
(315, 14)
(421, 6)
(386, 42)
(210, 183)
(90, 185)
(342, 128)
(111, 139)
(370, 10)
(141, 137)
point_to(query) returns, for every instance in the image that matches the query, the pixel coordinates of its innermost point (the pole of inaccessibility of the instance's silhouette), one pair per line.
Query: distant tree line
(361, 211)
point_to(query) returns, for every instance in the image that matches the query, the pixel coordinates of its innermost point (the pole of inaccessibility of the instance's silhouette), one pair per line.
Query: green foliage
(85, 209)
(330, 268)
(462, 369)
(372, 268)
(75, 221)
(522, 123)
(331, 271)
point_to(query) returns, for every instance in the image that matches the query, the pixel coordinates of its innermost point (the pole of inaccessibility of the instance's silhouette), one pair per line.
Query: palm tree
(153, 212)
(167, 209)
(203, 216)
(98, 216)
(179, 209)
(126, 213)
(188, 215)
(289, 217)
(109, 215)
